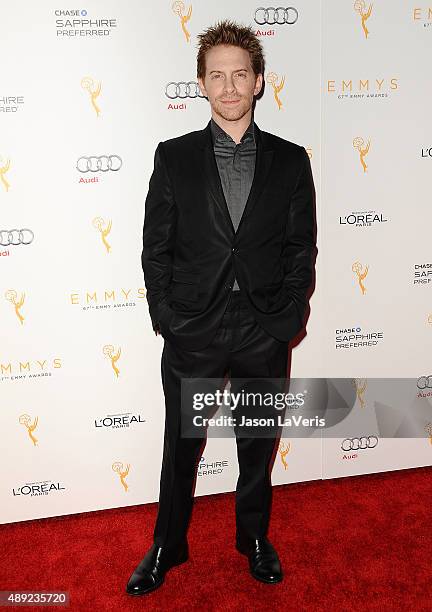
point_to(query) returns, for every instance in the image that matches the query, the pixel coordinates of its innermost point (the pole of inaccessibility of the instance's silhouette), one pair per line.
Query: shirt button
(229, 287)
(234, 250)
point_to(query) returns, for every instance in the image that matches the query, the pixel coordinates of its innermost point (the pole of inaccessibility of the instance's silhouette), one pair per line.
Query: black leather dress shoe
(150, 573)
(264, 562)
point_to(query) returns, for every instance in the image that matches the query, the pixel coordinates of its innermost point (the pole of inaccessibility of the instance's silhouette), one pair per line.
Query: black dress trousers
(243, 349)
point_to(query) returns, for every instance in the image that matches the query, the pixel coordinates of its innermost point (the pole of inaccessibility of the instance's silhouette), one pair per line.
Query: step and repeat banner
(86, 94)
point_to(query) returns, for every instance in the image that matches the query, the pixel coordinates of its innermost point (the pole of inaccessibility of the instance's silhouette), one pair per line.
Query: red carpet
(359, 543)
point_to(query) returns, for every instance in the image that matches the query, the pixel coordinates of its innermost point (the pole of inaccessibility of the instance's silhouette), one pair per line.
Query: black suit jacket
(191, 251)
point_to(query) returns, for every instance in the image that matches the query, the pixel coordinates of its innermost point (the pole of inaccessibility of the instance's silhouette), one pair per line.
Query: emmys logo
(359, 145)
(107, 299)
(25, 419)
(12, 297)
(360, 387)
(357, 268)
(360, 8)
(88, 85)
(428, 430)
(27, 369)
(283, 450)
(108, 351)
(273, 79)
(104, 229)
(362, 89)
(4, 167)
(118, 467)
(429, 319)
(178, 8)
(423, 16)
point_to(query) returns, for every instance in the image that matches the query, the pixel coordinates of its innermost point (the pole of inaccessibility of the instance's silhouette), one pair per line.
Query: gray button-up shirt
(236, 166)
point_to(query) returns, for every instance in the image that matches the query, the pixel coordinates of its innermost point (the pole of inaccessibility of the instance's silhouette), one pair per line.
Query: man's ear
(201, 85)
(258, 84)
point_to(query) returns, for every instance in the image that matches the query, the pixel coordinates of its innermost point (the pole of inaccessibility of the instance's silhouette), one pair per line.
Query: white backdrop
(82, 408)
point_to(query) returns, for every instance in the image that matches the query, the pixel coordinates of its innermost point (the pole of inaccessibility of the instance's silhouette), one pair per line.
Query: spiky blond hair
(230, 33)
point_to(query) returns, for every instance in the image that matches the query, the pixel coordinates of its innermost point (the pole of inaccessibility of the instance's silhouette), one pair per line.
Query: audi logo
(103, 163)
(424, 382)
(359, 443)
(183, 89)
(279, 15)
(16, 236)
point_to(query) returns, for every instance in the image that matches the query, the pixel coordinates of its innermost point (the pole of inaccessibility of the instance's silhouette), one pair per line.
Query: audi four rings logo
(279, 15)
(103, 163)
(16, 236)
(183, 89)
(359, 443)
(424, 382)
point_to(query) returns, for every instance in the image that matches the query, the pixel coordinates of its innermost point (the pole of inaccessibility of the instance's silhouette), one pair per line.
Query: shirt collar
(220, 135)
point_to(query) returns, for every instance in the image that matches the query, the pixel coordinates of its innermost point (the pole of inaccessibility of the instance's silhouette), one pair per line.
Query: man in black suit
(228, 255)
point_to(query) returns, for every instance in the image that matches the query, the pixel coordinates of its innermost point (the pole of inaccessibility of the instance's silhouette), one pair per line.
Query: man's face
(230, 83)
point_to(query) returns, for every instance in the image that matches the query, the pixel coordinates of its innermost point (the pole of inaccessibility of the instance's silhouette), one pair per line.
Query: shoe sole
(267, 581)
(153, 588)
(156, 586)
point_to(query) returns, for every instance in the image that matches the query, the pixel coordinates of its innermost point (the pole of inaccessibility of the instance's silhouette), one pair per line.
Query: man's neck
(235, 129)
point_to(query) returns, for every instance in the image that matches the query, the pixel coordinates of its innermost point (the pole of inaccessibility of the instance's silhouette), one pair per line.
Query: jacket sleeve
(299, 248)
(159, 232)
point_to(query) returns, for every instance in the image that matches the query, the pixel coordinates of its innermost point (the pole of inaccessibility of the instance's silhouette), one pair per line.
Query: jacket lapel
(264, 158)
(263, 162)
(212, 178)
